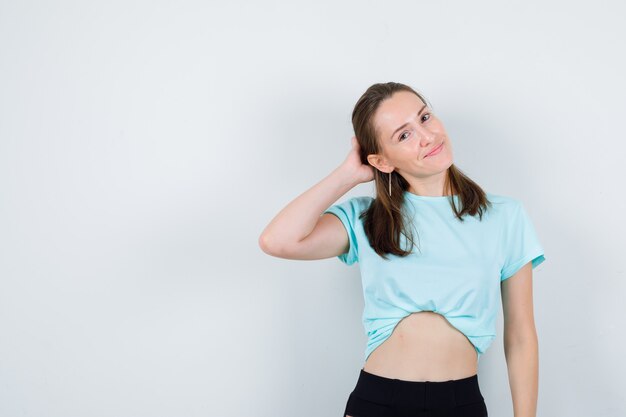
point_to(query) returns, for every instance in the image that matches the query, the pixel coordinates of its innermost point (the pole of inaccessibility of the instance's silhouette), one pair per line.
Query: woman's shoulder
(352, 207)
(364, 200)
(503, 203)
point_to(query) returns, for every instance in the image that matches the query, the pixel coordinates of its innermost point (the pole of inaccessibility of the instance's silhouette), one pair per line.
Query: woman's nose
(426, 137)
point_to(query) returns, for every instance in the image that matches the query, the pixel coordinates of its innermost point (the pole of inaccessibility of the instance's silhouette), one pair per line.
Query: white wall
(145, 145)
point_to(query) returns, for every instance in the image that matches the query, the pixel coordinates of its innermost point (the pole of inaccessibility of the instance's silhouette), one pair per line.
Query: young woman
(437, 255)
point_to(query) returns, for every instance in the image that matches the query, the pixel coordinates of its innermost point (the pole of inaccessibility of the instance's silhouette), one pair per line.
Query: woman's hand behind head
(352, 164)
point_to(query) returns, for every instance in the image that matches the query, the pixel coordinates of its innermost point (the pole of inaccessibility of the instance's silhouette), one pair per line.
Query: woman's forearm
(298, 219)
(522, 358)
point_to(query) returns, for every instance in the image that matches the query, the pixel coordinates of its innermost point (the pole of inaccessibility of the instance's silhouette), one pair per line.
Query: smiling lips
(434, 151)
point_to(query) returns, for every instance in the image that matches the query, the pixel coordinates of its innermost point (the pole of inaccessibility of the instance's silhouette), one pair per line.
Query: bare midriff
(424, 346)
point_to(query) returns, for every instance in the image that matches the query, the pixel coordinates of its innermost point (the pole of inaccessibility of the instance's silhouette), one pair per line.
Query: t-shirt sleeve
(521, 243)
(348, 212)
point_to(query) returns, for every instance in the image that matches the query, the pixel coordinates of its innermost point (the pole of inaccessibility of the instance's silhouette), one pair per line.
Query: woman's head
(396, 128)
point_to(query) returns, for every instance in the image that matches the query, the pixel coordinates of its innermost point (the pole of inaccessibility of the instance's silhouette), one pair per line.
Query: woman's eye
(402, 136)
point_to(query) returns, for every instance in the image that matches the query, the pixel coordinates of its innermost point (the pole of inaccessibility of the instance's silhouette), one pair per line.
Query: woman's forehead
(397, 110)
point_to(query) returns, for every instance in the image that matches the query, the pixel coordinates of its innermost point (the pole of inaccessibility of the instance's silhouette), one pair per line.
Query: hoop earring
(390, 184)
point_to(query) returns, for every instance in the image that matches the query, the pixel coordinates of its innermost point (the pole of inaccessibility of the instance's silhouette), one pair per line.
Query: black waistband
(384, 390)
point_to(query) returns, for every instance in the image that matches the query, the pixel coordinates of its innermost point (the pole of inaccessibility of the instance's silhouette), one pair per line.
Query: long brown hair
(384, 221)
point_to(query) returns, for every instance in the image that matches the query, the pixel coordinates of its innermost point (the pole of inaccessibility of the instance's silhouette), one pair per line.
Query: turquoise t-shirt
(457, 272)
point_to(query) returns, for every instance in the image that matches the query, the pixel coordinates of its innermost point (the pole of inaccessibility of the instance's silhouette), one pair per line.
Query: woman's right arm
(301, 231)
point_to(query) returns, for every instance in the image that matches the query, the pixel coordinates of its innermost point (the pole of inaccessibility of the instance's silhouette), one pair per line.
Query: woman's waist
(424, 346)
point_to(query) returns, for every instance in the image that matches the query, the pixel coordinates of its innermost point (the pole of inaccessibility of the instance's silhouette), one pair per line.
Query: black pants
(377, 396)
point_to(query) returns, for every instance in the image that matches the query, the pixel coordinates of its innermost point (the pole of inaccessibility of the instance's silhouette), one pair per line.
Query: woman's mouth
(435, 151)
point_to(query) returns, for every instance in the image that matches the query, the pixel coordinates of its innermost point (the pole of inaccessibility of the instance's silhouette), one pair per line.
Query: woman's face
(407, 131)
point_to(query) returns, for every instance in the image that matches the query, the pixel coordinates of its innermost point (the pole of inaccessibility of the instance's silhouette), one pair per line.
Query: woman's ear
(379, 162)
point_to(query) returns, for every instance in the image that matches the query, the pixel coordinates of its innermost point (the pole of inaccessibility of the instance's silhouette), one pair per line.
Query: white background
(145, 145)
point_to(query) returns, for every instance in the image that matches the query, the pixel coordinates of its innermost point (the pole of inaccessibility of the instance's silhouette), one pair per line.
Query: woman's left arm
(520, 341)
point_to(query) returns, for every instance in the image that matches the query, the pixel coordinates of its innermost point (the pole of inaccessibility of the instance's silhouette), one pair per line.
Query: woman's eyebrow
(404, 125)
